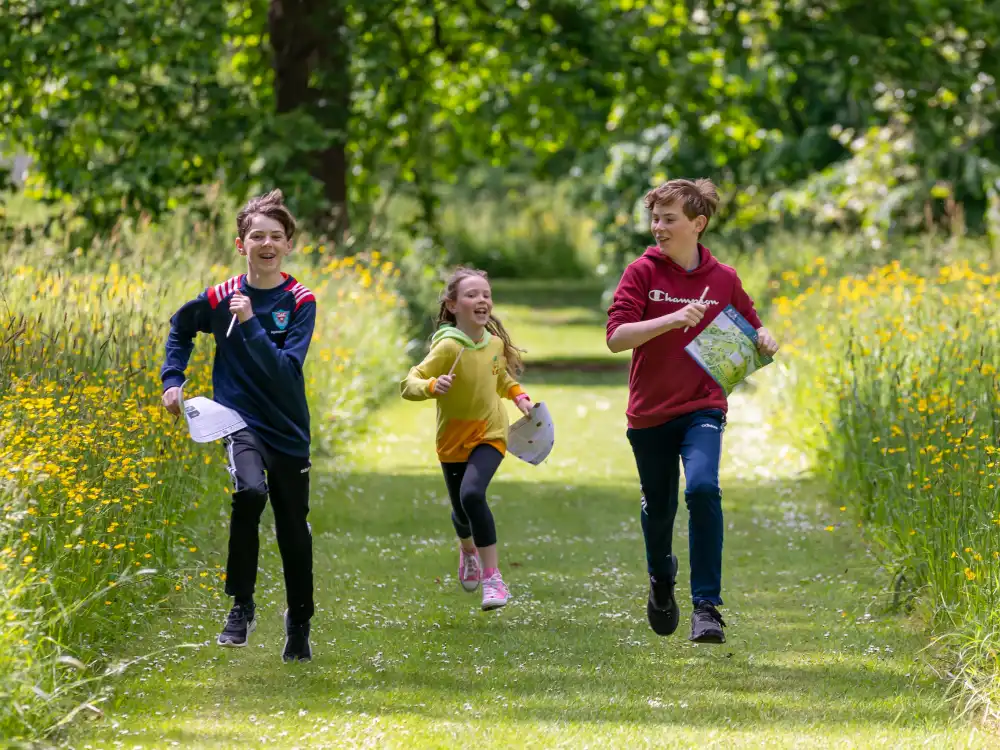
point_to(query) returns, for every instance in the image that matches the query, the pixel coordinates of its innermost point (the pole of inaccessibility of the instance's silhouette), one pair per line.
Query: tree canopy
(801, 107)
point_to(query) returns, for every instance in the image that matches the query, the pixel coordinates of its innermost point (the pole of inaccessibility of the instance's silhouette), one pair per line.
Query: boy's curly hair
(697, 198)
(271, 205)
(515, 366)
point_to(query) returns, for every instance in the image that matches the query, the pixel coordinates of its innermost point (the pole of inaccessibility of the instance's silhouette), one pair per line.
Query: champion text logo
(658, 295)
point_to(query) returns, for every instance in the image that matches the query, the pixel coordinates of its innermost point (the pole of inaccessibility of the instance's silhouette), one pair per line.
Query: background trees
(806, 111)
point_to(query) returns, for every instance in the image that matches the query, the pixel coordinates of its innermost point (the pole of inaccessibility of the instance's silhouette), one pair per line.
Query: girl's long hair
(515, 366)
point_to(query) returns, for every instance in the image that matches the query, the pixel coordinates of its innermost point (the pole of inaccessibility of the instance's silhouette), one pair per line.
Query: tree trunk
(312, 73)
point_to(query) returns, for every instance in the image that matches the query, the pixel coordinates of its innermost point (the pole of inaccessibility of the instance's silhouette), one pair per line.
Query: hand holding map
(208, 420)
(531, 438)
(727, 349)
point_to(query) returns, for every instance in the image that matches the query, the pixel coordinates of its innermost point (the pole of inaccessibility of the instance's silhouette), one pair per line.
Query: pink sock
(490, 572)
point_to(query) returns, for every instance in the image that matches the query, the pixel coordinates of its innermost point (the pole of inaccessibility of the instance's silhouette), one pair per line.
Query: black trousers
(259, 472)
(467, 482)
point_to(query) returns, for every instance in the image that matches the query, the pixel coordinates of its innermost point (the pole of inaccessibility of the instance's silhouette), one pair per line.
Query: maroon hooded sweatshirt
(664, 381)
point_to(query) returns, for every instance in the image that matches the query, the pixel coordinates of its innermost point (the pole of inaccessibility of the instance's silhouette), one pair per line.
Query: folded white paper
(531, 438)
(208, 420)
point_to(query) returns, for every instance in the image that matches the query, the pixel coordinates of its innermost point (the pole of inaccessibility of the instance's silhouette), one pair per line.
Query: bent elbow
(410, 393)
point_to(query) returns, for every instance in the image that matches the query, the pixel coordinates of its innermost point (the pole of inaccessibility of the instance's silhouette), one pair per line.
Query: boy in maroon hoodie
(676, 411)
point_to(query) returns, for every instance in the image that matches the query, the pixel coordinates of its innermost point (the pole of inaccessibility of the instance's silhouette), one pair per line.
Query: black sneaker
(661, 609)
(240, 624)
(297, 646)
(707, 624)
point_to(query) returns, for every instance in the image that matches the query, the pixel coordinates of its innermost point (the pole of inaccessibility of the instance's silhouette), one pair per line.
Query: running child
(676, 412)
(471, 367)
(257, 372)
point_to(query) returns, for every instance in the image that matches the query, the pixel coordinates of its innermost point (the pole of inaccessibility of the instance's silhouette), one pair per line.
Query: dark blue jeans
(695, 439)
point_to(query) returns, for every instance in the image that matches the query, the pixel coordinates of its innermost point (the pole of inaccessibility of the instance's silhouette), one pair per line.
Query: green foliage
(121, 104)
(911, 101)
(885, 191)
(127, 107)
(532, 234)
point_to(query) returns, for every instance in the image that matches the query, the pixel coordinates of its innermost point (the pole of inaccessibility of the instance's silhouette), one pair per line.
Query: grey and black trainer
(297, 646)
(707, 624)
(661, 609)
(240, 623)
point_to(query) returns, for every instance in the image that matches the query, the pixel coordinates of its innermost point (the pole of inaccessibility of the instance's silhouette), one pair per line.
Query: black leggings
(467, 482)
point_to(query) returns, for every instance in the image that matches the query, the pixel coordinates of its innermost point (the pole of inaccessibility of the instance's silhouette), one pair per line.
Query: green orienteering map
(727, 349)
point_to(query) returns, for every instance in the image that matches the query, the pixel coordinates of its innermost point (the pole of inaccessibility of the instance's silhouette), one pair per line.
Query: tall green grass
(896, 384)
(512, 230)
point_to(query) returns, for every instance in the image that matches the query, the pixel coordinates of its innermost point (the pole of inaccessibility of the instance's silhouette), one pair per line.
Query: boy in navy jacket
(257, 372)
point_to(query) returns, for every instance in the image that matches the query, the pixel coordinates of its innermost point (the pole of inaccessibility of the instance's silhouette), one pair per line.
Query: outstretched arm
(508, 387)
(193, 318)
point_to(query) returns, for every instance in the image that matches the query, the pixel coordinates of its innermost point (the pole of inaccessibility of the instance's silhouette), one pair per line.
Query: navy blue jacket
(257, 370)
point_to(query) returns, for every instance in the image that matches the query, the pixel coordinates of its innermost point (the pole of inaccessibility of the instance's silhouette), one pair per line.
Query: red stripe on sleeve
(307, 297)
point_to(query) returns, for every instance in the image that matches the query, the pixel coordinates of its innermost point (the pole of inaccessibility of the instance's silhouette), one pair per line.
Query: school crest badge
(280, 319)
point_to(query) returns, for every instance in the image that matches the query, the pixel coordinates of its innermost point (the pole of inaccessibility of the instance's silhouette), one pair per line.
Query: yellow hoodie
(471, 412)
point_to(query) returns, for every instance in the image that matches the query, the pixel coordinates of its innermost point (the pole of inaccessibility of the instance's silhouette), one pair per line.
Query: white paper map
(208, 420)
(531, 437)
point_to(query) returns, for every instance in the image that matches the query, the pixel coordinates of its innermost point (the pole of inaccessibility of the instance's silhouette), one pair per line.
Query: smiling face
(473, 303)
(672, 229)
(265, 245)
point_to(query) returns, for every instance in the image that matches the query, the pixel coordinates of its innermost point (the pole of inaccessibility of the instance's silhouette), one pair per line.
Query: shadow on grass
(588, 371)
(555, 317)
(546, 294)
(401, 503)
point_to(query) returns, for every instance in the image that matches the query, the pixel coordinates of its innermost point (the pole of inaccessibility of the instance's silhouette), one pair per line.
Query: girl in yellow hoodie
(470, 368)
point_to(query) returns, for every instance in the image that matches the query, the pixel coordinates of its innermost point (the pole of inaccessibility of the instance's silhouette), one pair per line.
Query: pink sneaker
(469, 569)
(495, 593)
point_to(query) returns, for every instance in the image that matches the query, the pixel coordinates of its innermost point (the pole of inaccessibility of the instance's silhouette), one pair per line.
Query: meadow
(860, 201)
(100, 488)
(893, 389)
(886, 388)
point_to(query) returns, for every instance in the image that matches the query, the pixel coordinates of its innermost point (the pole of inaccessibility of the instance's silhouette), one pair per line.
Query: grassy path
(405, 659)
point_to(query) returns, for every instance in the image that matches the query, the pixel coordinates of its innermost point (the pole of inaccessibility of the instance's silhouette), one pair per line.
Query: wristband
(520, 397)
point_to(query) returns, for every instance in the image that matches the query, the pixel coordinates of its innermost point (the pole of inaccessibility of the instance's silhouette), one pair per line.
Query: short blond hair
(697, 198)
